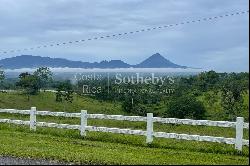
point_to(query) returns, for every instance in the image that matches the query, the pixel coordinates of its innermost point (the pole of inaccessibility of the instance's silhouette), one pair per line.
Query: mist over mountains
(29, 61)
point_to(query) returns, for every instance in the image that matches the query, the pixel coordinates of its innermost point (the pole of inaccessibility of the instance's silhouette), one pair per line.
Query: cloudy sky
(221, 45)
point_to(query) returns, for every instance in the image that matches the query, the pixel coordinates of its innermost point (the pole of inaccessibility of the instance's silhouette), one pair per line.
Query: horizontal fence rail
(131, 118)
(195, 122)
(239, 125)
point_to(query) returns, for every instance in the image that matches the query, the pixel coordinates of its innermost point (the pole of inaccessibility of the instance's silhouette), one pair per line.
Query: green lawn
(106, 148)
(101, 148)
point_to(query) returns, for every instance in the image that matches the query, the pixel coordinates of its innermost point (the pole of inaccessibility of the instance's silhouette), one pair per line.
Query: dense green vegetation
(186, 107)
(225, 92)
(2, 75)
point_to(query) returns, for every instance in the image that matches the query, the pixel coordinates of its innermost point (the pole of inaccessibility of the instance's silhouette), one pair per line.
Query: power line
(129, 33)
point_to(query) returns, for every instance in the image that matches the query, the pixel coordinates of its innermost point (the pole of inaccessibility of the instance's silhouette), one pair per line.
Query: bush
(185, 107)
(64, 92)
(134, 107)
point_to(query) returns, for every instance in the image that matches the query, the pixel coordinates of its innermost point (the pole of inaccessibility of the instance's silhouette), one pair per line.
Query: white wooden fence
(239, 125)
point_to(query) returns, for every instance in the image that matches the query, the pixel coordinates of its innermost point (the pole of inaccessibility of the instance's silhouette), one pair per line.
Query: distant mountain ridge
(29, 61)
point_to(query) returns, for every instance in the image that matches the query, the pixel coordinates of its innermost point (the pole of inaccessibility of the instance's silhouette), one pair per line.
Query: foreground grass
(101, 148)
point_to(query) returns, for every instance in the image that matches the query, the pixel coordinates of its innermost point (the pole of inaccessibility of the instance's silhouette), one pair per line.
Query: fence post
(149, 128)
(33, 119)
(83, 122)
(239, 133)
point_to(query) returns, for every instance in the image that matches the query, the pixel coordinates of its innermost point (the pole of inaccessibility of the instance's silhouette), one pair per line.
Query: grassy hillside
(46, 101)
(106, 148)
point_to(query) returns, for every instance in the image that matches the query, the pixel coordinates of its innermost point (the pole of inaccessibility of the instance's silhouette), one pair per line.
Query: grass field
(106, 148)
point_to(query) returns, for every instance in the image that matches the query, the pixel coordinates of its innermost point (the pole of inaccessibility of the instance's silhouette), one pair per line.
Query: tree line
(183, 103)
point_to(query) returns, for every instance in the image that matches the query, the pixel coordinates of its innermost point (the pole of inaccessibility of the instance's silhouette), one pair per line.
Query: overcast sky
(221, 45)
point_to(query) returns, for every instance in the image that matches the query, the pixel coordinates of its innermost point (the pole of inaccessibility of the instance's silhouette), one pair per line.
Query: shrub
(185, 107)
(134, 107)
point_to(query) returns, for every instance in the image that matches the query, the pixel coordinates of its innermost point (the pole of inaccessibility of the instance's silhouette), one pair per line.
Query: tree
(29, 83)
(207, 80)
(64, 93)
(133, 104)
(24, 75)
(44, 76)
(185, 107)
(2, 75)
(232, 100)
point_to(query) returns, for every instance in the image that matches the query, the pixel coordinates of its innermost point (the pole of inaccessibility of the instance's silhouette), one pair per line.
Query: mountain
(29, 61)
(113, 64)
(158, 61)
